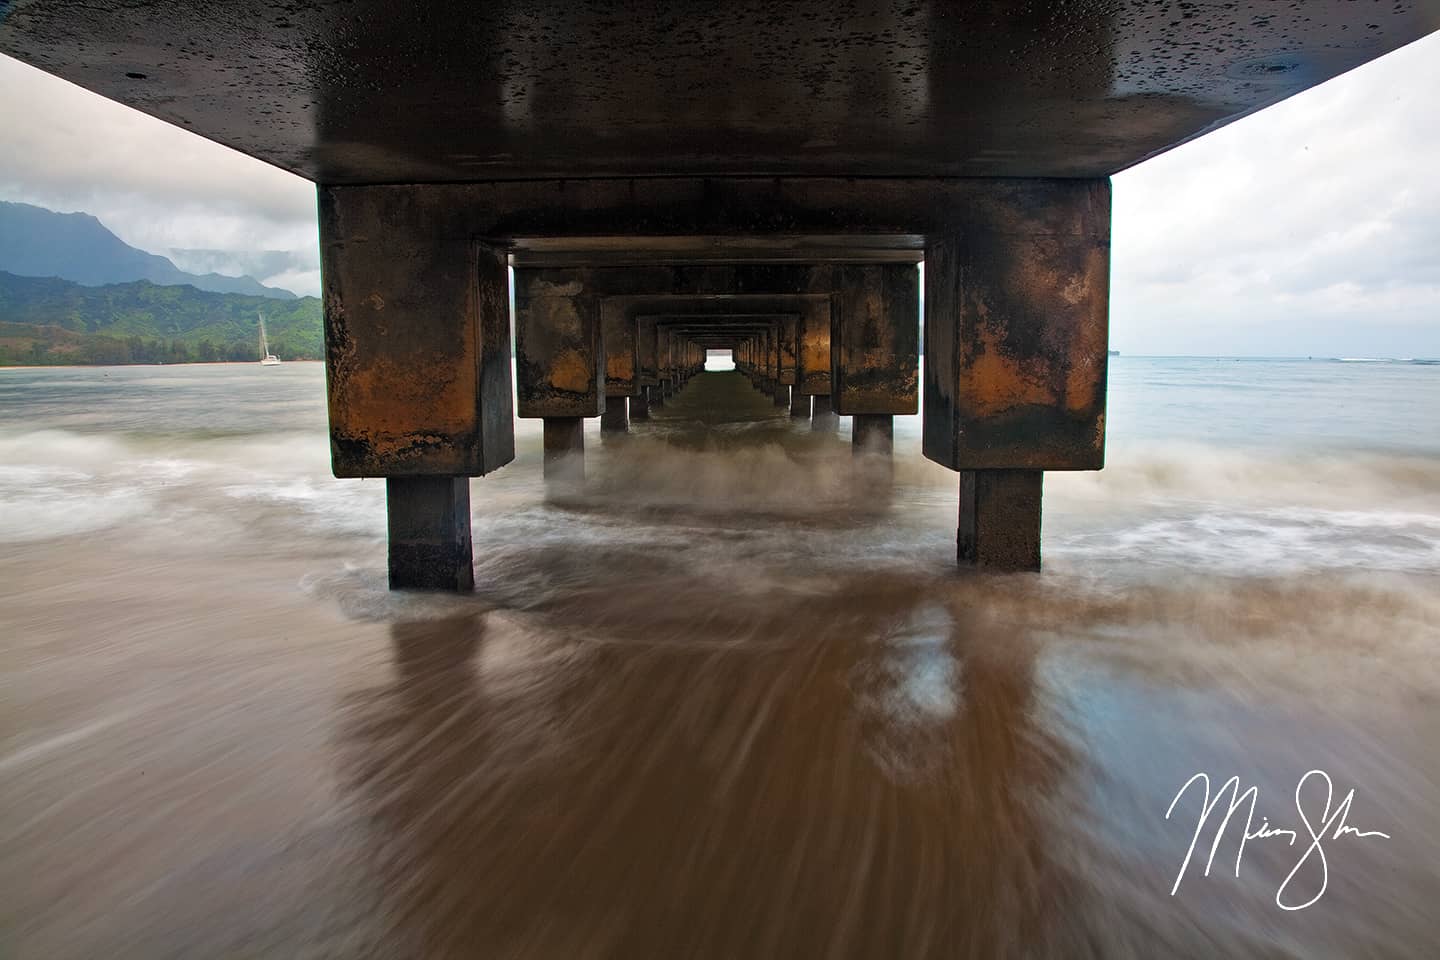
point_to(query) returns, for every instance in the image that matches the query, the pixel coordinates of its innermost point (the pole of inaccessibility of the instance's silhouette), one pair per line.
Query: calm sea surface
(734, 699)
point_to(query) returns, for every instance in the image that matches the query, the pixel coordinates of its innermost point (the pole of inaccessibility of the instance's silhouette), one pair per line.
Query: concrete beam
(812, 358)
(619, 335)
(1016, 336)
(875, 340)
(559, 357)
(417, 340)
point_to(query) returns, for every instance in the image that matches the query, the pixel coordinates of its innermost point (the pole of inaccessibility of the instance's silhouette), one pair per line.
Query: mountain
(44, 320)
(35, 242)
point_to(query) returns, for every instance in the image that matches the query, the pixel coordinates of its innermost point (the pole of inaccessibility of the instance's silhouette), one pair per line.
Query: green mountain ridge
(44, 320)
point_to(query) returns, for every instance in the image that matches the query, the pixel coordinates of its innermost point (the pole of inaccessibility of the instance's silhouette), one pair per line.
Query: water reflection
(867, 781)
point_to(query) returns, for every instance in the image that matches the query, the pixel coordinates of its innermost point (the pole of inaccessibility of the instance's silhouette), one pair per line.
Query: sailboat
(267, 359)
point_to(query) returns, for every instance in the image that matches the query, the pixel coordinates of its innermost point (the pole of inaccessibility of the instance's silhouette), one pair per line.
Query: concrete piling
(799, 404)
(872, 433)
(564, 442)
(1000, 519)
(824, 419)
(616, 417)
(640, 404)
(428, 521)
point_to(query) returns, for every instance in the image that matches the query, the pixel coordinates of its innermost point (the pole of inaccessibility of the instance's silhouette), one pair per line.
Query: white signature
(1318, 831)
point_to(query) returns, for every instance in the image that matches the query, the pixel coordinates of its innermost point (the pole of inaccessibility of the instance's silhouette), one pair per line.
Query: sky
(1308, 229)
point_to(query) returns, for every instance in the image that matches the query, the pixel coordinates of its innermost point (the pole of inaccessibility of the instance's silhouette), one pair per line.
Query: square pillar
(789, 344)
(559, 356)
(1016, 338)
(875, 339)
(812, 358)
(417, 367)
(616, 418)
(1000, 519)
(640, 404)
(622, 349)
(564, 453)
(1016, 335)
(429, 533)
(417, 337)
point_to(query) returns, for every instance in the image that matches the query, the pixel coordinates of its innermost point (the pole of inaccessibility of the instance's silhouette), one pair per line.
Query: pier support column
(564, 452)
(417, 367)
(1000, 519)
(874, 350)
(560, 364)
(873, 433)
(429, 531)
(799, 404)
(824, 419)
(640, 405)
(1016, 337)
(781, 395)
(616, 418)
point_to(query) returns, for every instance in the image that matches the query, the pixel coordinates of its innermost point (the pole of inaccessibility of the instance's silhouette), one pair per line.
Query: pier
(671, 180)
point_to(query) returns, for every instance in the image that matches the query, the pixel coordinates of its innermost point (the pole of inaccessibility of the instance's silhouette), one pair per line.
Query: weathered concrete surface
(429, 533)
(370, 91)
(789, 331)
(559, 358)
(813, 356)
(417, 341)
(1000, 519)
(664, 361)
(781, 395)
(564, 453)
(799, 404)
(640, 405)
(616, 418)
(1016, 331)
(619, 336)
(875, 339)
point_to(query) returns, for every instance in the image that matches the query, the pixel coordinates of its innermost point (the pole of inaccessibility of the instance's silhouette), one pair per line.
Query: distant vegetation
(48, 321)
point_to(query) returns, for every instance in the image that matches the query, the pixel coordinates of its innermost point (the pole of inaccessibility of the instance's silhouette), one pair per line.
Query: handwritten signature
(1331, 825)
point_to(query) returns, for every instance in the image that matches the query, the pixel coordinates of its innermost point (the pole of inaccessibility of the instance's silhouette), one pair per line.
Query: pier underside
(367, 91)
(681, 177)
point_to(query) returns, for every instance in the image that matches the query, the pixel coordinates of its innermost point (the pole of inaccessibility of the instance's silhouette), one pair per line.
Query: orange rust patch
(992, 384)
(570, 371)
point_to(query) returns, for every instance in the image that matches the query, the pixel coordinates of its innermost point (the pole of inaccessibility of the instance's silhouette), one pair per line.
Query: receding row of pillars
(609, 277)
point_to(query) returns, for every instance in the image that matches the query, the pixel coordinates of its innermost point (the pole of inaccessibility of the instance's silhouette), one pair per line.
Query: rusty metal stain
(570, 371)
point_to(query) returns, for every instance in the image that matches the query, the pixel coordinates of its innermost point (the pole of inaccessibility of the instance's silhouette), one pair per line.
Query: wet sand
(698, 711)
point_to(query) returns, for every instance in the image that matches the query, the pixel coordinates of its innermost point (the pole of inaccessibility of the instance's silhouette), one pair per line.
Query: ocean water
(731, 699)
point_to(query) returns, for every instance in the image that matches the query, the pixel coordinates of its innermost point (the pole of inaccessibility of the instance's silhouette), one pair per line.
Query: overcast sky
(1311, 228)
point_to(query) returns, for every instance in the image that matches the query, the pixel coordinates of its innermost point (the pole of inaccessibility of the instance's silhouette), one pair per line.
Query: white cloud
(1311, 228)
(158, 187)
